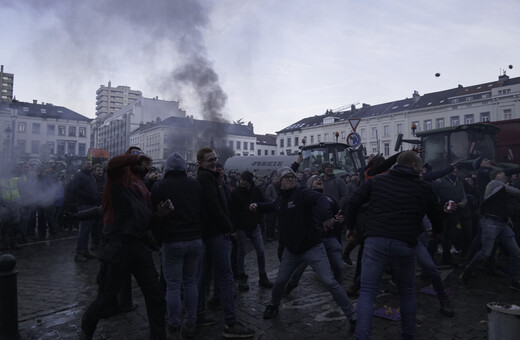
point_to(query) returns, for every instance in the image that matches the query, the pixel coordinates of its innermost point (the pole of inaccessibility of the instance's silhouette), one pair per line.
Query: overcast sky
(270, 62)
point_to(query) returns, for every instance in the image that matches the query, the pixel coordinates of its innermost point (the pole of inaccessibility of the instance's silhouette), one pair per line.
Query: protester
(180, 232)
(397, 201)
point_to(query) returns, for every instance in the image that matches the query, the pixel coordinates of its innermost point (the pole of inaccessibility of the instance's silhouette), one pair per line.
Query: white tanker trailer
(344, 159)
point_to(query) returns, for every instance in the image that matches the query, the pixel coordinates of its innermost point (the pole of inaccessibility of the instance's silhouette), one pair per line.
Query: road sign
(354, 122)
(353, 140)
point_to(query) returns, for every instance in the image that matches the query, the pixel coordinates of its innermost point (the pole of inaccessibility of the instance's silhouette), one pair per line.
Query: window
(36, 128)
(72, 131)
(251, 146)
(439, 123)
(326, 137)
(343, 137)
(259, 153)
(272, 152)
(22, 126)
(374, 132)
(312, 139)
(51, 130)
(507, 114)
(417, 126)
(281, 142)
(61, 148)
(288, 142)
(20, 144)
(295, 141)
(468, 119)
(386, 131)
(61, 131)
(266, 152)
(374, 148)
(82, 131)
(71, 148)
(484, 116)
(245, 145)
(35, 146)
(230, 144)
(399, 128)
(363, 133)
(454, 121)
(50, 148)
(319, 138)
(427, 124)
(238, 145)
(387, 149)
(82, 148)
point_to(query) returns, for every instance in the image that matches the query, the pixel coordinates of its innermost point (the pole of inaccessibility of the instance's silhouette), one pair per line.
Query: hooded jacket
(496, 199)
(242, 217)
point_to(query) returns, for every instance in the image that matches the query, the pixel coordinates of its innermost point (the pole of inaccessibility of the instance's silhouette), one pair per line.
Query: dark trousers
(119, 258)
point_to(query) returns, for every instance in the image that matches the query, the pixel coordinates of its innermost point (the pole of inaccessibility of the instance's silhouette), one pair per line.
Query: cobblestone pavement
(53, 291)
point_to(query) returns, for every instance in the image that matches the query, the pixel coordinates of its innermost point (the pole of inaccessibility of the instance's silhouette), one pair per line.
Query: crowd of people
(395, 212)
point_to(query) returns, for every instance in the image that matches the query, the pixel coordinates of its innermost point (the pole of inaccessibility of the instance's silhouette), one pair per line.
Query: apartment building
(110, 99)
(6, 85)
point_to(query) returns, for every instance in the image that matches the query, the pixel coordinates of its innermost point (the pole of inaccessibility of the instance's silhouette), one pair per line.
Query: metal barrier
(8, 298)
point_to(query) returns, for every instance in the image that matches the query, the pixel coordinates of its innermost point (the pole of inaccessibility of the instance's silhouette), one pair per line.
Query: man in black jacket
(398, 201)
(303, 215)
(216, 229)
(247, 224)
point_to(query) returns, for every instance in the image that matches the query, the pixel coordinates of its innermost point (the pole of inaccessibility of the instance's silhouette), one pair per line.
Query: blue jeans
(217, 257)
(316, 257)
(428, 266)
(380, 252)
(492, 230)
(181, 267)
(83, 236)
(255, 236)
(333, 249)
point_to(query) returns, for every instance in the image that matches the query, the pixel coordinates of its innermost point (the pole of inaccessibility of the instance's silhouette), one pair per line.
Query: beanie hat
(476, 163)
(248, 177)
(324, 165)
(284, 171)
(311, 180)
(175, 162)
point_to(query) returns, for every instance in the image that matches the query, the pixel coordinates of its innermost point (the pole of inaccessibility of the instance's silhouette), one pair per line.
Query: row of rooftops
(447, 97)
(43, 110)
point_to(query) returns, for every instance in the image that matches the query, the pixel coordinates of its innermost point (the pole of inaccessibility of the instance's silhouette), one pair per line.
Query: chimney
(35, 101)
(415, 96)
(353, 108)
(503, 78)
(366, 105)
(2, 68)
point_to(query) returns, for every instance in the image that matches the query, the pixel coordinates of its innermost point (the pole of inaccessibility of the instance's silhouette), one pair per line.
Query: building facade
(6, 85)
(110, 99)
(187, 135)
(380, 124)
(112, 132)
(266, 145)
(42, 131)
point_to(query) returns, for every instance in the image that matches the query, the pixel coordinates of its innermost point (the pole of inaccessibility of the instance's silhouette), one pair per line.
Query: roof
(222, 128)
(266, 139)
(42, 111)
(417, 102)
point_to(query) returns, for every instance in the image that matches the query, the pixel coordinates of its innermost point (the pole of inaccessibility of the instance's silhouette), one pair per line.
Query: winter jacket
(398, 201)
(241, 216)
(215, 219)
(184, 222)
(301, 213)
(84, 189)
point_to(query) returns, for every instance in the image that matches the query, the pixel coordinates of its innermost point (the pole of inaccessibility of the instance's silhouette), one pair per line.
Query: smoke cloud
(161, 42)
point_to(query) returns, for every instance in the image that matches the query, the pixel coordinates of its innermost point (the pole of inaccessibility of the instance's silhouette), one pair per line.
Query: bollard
(503, 321)
(8, 298)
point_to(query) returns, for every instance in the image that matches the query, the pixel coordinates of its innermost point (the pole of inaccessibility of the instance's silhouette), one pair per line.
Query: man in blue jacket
(303, 215)
(398, 201)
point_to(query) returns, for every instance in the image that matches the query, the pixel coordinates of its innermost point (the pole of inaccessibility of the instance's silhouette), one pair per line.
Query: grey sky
(277, 61)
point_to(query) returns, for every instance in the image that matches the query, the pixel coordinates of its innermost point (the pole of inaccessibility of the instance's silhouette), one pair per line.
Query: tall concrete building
(110, 99)
(6, 85)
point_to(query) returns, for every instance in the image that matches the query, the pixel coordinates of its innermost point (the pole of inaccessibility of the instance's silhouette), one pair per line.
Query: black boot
(264, 281)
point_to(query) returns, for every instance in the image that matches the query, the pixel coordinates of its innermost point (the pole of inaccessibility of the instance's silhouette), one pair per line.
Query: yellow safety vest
(9, 189)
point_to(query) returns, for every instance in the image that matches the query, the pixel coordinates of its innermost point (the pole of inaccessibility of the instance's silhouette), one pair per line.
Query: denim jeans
(380, 252)
(316, 257)
(217, 257)
(333, 249)
(255, 236)
(428, 266)
(493, 230)
(181, 267)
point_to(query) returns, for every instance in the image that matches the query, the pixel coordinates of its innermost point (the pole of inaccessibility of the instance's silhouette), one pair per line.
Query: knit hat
(311, 180)
(174, 162)
(284, 171)
(476, 163)
(324, 165)
(248, 177)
